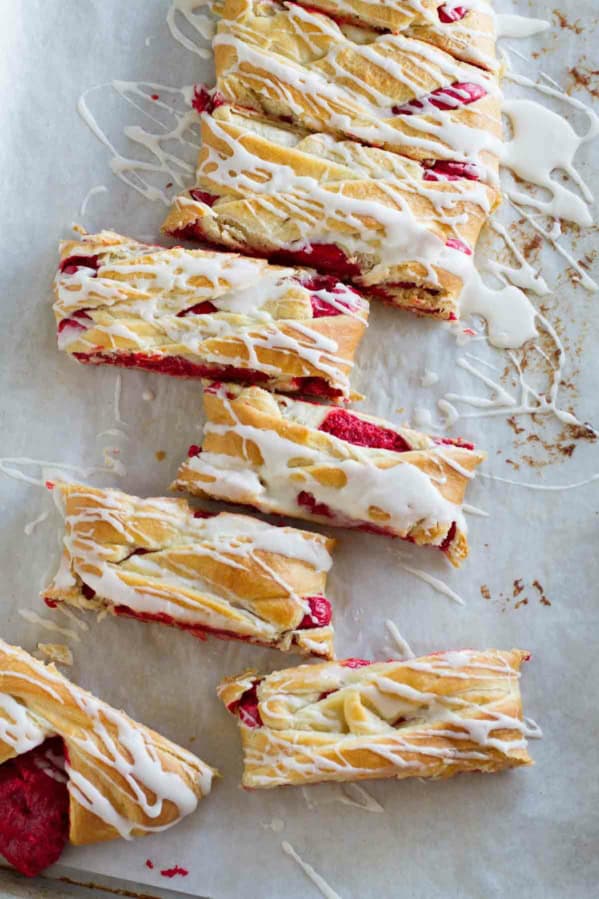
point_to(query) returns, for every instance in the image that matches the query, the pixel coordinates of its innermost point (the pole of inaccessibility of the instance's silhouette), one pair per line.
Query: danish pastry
(231, 576)
(74, 769)
(195, 313)
(333, 466)
(435, 716)
(399, 232)
(388, 90)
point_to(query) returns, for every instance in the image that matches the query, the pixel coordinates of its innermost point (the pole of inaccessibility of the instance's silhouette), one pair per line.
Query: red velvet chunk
(349, 427)
(205, 100)
(194, 450)
(325, 256)
(315, 387)
(247, 708)
(448, 13)
(320, 613)
(203, 196)
(204, 308)
(80, 321)
(34, 810)
(450, 537)
(456, 244)
(454, 441)
(460, 93)
(447, 170)
(72, 264)
(87, 591)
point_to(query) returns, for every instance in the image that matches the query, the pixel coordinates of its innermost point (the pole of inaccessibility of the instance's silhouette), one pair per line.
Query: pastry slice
(231, 576)
(353, 720)
(74, 769)
(399, 232)
(387, 90)
(195, 313)
(332, 466)
(465, 30)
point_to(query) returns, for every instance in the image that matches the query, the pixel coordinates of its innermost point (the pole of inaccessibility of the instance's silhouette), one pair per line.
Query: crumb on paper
(56, 652)
(149, 863)
(160, 455)
(563, 22)
(518, 587)
(521, 602)
(541, 591)
(485, 592)
(175, 871)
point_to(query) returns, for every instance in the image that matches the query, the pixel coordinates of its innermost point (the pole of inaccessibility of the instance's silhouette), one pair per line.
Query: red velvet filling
(320, 613)
(205, 100)
(72, 264)
(203, 196)
(448, 13)
(309, 501)
(456, 244)
(194, 450)
(320, 307)
(247, 709)
(327, 256)
(34, 810)
(447, 170)
(460, 93)
(355, 663)
(454, 441)
(174, 365)
(449, 538)
(316, 387)
(349, 427)
(204, 308)
(78, 320)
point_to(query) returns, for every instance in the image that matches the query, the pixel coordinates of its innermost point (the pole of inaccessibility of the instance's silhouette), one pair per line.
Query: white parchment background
(532, 832)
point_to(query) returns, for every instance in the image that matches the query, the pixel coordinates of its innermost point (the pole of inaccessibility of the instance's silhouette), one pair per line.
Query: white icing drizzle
(199, 22)
(401, 644)
(118, 387)
(31, 525)
(133, 758)
(327, 891)
(8, 467)
(166, 165)
(550, 487)
(49, 625)
(434, 582)
(509, 25)
(473, 510)
(346, 794)
(92, 192)
(19, 727)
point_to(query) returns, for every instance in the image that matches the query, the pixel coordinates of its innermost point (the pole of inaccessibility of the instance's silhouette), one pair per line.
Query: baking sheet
(532, 831)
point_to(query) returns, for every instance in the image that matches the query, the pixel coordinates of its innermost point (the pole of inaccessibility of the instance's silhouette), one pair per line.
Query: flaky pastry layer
(435, 716)
(206, 314)
(123, 778)
(331, 466)
(361, 213)
(229, 575)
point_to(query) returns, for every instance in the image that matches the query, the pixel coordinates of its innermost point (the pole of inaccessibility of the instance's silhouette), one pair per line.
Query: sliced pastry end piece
(434, 716)
(332, 466)
(226, 575)
(74, 769)
(196, 313)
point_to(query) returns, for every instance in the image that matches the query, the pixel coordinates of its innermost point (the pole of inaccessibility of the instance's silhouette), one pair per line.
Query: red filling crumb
(320, 613)
(34, 810)
(355, 663)
(72, 264)
(149, 863)
(51, 603)
(247, 709)
(194, 450)
(454, 441)
(155, 97)
(460, 93)
(448, 13)
(176, 871)
(315, 387)
(79, 321)
(447, 170)
(87, 591)
(204, 308)
(456, 244)
(201, 513)
(205, 100)
(320, 307)
(309, 501)
(203, 196)
(349, 427)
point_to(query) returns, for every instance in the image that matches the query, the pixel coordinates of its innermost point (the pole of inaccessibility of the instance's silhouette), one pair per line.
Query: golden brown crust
(117, 769)
(430, 717)
(255, 321)
(229, 574)
(269, 452)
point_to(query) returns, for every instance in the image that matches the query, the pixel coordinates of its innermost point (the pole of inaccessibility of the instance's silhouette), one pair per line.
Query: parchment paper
(531, 832)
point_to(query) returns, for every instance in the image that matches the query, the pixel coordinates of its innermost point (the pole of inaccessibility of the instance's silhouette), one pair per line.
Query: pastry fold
(398, 233)
(123, 779)
(434, 716)
(331, 466)
(388, 90)
(195, 313)
(158, 559)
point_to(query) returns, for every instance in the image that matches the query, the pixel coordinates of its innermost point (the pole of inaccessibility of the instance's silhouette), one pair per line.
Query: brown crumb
(564, 23)
(541, 591)
(160, 455)
(514, 426)
(518, 587)
(521, 602)
(485, 592)
(513, 464)
(585, 78)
